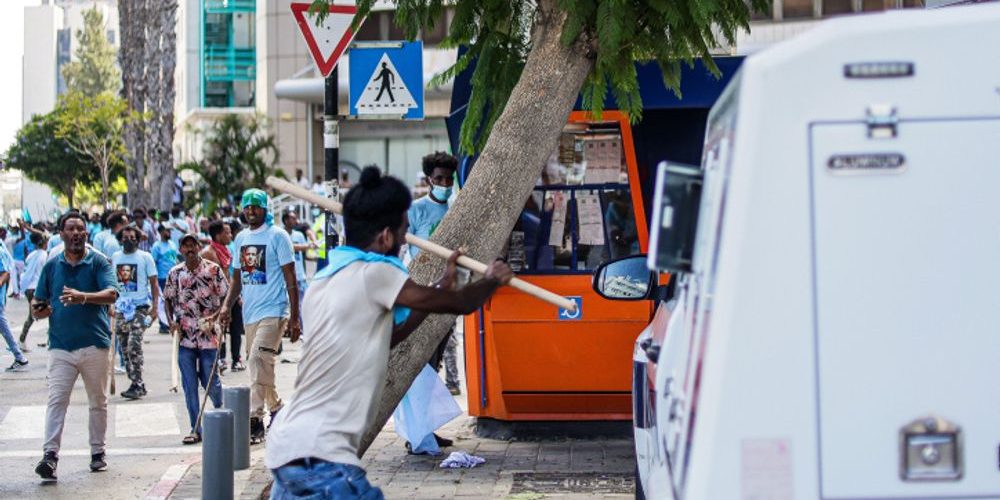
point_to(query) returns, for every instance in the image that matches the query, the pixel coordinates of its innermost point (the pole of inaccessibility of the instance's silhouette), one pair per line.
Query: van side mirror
(626, 278)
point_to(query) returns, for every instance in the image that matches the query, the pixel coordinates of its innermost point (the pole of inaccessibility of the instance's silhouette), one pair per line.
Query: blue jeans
(315, 479)
(196, 366)
(7, 335)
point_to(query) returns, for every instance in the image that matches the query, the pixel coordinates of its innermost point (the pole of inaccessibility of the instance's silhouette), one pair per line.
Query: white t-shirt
(348, 321)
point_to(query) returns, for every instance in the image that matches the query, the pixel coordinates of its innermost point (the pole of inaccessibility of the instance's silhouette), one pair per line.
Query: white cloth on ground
(461, 459)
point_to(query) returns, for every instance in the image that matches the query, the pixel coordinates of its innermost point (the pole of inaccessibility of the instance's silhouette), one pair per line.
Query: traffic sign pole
(331, 144)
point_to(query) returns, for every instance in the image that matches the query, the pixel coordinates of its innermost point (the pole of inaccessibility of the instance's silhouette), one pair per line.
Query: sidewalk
(568, 468)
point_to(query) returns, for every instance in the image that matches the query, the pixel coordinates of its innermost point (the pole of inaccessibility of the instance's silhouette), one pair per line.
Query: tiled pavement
(566, 468)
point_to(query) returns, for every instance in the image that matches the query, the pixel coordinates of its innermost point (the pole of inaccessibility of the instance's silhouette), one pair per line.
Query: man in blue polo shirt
(264, 277)
(74, 291)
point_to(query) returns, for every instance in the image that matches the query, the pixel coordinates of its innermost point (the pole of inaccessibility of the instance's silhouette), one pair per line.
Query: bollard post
(217, 455)
(237, 399)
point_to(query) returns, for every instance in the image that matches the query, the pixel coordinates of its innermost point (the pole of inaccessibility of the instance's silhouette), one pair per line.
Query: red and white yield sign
(328, 41)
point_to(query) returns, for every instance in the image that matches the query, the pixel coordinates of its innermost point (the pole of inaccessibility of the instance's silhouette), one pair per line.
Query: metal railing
(224, 6)
(230, 63)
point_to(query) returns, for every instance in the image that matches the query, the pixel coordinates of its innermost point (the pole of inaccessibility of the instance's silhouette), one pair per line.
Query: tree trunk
(104, 185)
(131, 55)
(69, 196)
(165, 172)
(483, 215)
(154, 91)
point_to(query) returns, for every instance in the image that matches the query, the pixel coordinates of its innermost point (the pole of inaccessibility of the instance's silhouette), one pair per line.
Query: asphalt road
(144, 436)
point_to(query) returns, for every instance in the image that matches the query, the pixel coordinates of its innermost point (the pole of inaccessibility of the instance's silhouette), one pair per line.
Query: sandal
(192, 439)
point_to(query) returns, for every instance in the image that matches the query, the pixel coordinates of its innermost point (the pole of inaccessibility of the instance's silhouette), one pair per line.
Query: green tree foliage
(94, 71)
(238, 154)
(46, 158)
(617, 33)
(92, 127)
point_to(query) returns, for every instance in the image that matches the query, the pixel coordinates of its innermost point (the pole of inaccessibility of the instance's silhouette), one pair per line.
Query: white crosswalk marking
(23, 422)
(145, 419)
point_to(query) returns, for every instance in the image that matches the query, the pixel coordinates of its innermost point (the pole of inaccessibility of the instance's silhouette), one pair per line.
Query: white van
(835, 331)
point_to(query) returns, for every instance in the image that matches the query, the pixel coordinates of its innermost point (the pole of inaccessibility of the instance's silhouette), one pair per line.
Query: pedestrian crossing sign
(387, 80)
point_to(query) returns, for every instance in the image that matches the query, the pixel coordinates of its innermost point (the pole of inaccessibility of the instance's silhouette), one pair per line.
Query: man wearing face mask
(425, 215)
(136, 272)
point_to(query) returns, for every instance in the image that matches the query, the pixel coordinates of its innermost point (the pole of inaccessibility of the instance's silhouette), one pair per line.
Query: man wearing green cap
(264, 277)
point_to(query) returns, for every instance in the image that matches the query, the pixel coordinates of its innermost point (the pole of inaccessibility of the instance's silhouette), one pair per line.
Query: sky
(11, 50)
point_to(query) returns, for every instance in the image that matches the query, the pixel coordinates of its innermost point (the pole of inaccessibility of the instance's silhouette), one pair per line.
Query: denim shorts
(315, 479)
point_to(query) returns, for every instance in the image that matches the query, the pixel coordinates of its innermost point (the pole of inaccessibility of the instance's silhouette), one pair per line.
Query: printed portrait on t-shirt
(127, 278)
(253, 264)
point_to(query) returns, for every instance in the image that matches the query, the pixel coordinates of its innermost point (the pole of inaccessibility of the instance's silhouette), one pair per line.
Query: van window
(580, 213)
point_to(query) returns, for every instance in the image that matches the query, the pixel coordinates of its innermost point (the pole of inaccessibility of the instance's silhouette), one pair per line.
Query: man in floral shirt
(194, 294)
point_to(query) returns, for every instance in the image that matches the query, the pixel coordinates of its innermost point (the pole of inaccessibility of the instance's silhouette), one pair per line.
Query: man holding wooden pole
(359, 305)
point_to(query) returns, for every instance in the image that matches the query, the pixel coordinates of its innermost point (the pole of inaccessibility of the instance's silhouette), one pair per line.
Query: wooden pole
(427, 246)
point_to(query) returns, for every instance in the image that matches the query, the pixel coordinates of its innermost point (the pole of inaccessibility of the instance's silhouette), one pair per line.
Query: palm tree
(238, 154)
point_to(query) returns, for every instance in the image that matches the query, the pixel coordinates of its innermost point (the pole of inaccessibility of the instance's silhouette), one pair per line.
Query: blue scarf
(344, 255)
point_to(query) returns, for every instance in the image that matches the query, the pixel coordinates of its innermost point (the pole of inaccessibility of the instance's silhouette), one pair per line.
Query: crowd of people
(103, 280)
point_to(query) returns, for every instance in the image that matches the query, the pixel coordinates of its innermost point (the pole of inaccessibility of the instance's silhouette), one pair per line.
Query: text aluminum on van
(881, 162)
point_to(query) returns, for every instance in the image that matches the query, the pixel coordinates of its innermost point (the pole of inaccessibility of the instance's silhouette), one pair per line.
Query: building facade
(49, 43)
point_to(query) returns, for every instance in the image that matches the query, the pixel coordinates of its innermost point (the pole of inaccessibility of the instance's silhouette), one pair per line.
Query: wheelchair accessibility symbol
(567, 315)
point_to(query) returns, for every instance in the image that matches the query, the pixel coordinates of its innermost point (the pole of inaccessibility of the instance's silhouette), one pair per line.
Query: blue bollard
(217, 455)
(237, 399)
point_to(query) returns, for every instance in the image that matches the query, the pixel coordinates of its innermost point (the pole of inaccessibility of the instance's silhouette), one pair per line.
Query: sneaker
(142, 389)
(46, 468)
(23, 347)
(222, 366)
(257, 430)
(454, 390)
(133, 392)
(119, 370)
(43, 344)
(97, 462)
(17, 366)
(238, 366)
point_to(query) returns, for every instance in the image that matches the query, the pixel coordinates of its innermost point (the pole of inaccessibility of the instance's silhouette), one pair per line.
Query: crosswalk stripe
(145, 419)
(111, 450)
(23, 422)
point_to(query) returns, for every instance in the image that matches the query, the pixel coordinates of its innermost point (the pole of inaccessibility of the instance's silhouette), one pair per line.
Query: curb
(170, 479)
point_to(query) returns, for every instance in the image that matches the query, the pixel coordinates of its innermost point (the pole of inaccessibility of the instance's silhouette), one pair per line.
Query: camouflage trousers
(130, 334)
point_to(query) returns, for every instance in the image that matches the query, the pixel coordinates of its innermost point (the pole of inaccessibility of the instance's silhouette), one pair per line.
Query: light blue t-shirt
(133, 271)
(165, 254)
(175, 234)
(261, 253)
(300, 266)
(6, 266)
(106, 243)
(425, 214)
(54, 241)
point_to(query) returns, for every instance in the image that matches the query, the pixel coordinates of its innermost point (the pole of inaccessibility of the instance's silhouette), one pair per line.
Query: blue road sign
(567, 315)
(387, 80)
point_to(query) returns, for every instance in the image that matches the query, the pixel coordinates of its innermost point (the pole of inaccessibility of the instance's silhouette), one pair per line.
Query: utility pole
(331, 144)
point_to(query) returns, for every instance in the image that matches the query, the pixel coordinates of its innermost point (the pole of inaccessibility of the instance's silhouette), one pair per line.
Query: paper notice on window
(558, 200)
(603, 155)
(591, 220)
